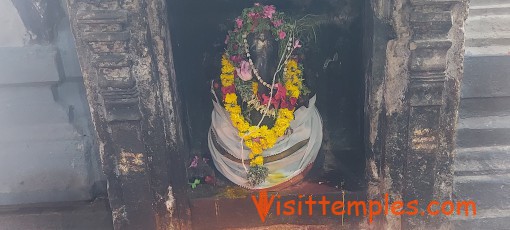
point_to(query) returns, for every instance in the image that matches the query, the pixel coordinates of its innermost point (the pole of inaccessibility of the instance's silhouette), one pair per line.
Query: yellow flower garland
(260, 138)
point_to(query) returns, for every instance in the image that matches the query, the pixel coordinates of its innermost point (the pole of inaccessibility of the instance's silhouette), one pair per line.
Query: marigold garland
(260, 138)
(238, 85)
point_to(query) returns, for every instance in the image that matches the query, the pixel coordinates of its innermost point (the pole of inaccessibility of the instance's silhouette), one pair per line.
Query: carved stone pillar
(412, 109)
(125, 56)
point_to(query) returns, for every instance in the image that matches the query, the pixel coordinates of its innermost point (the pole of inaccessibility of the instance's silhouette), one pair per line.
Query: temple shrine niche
(331, 56)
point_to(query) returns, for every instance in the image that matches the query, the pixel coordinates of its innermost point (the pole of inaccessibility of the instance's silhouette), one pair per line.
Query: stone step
(220, 212)
(467, 138)
(82, 215)
(489, 24)
(482, 161)
(30, 105)
(489, 10)
(296, 227)
(485, 220)
(482, 3)
(487, 122)
(489, 192)
(495, 50)
(483, 131)
(484, 107)
(45, 171)
(486, 77)
(501, 39)
(488, 28)
(39, 132)
(31, 65)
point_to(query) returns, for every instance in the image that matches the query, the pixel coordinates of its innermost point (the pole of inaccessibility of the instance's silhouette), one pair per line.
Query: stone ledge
(29, 65)
(57, 216)
(486, 77)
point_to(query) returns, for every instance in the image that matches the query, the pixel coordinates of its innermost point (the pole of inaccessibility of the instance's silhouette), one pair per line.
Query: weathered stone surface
(124, 51)
(411, 104)
(420, 95)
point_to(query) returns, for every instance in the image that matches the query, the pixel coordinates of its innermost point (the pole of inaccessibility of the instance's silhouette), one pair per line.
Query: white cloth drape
(306, 125)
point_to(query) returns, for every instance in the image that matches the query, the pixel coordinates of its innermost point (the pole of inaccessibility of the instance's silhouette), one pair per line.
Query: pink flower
(269, 11)
(265, 99)
(277, 23)
(252, 15)
(285, 105)
(293, 101)
(244, 72)
(194, 162)
(291, 104)
(226, 39)
(239, 22)
(235, 58)
(282, 34)
(227, 90)
(274, 102)
(296, 44)
(281, 92)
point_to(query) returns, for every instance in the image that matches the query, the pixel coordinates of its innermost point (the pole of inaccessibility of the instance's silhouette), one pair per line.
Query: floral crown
(257, 19)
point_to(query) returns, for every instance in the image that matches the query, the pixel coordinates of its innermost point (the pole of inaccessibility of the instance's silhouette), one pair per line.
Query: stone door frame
(413, 65)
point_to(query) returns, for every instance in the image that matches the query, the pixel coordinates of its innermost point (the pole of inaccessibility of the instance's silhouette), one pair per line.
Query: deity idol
(262, 136)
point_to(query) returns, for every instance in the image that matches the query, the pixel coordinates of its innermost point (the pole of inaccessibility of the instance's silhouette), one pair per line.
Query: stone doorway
(335, 64)
(404, 115)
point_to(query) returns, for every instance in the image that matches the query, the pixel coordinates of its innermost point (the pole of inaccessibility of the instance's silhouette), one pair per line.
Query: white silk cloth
(307, 124)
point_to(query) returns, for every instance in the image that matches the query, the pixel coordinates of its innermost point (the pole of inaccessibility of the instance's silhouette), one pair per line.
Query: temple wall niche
(333, 68)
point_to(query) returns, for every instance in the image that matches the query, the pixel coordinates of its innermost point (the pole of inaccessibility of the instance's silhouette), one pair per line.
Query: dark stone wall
(198, 30)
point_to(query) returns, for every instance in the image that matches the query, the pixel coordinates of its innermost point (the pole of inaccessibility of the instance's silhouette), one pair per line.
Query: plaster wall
(14, 33)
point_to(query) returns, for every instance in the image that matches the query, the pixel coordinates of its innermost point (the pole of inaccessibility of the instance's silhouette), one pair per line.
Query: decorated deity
(262, 134)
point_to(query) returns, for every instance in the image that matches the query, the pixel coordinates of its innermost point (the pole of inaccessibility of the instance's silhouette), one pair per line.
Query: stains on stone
(108, 47)
(131, 162)
(119, 214)
(423, 139)
(170, 201)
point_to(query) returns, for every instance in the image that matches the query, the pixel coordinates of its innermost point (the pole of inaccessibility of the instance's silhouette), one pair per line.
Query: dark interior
(198, 30)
